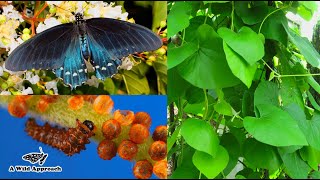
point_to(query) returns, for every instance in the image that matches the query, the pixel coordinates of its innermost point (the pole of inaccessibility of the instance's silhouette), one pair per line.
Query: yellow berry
(163, 24)
(2, 19)
(25, 37)
(26, 31)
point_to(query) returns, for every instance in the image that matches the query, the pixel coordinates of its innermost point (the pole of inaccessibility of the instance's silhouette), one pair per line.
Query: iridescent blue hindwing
(74, 69)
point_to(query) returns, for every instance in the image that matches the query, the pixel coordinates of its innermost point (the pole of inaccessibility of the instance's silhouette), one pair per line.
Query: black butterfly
(66, 47)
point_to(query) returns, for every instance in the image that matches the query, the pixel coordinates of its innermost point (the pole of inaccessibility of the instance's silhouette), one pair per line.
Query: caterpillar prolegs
(70, 141)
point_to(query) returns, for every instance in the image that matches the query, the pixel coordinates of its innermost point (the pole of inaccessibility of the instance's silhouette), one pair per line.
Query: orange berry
(76, 102)
(103, 104)
(158, 150)
(160, 169)
(124, 117)
(160, 134)
(142, 118)
(107, 149)
(49, 98)
(127, 150)
(42, 105)
(142, 169)
(111, 129)
(138, 133)
(17, 107)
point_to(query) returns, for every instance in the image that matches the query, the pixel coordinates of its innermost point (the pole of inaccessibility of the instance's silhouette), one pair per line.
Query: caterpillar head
(86, 127)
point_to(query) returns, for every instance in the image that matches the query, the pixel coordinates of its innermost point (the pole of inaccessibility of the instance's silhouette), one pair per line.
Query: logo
(34, 158)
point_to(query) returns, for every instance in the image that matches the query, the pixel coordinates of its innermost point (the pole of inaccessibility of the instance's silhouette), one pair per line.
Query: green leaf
(178, 18)
(172, 139)
(161, 69)
(274, 127)
(246, 37)
(135, 82)
(305, 47)
(306, 9)
(310, 128)
(251, 15)
(209, 166)
(312, 156)
(239, 67)
(261, 155)
(290, 92)
(178, 88)
(186, 170)
(208, 2)
(177, 55)
(200, 135)
(222, 107)
(296, 168)
(208, 61)
(159, 11)
(266, 93)
(272, 27)
(194, 108)
(315, 175)
(313, 101)
(194, 95)
(231, 144)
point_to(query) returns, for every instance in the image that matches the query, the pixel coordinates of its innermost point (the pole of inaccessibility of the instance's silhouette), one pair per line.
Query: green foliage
(241, 87)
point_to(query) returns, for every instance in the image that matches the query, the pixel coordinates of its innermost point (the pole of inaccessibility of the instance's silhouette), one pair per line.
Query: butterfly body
(66, 47)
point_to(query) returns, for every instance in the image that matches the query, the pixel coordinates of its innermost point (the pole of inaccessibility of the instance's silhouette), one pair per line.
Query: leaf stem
(232, 15)
(206, 104)
(270, 15)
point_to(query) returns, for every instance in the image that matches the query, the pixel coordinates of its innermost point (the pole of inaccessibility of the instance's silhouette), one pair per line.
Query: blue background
(15, 143)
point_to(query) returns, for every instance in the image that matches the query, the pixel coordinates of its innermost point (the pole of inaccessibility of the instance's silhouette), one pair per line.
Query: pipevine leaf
(274, 127)
(200, 135)
(209, 165)
(207, 61)
(246, 37)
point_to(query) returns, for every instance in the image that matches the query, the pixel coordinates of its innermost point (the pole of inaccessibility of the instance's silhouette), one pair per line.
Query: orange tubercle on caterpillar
(160, 133)
(17, 107)
(124, 117)
(127, 150)
(142, 169)
(160, 169)
(42, 105)
(142, 118)
(138, 133)
(76, 102)
(158, 150)
(111, 129)
(107, 149)
(103, 104)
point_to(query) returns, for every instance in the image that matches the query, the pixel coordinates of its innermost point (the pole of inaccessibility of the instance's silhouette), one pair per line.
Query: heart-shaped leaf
(208, 165)
(239, 67)
(200, 135)
(275, 127)
(246, 43)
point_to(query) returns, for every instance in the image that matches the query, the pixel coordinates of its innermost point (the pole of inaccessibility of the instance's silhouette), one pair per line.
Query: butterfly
(66, 47)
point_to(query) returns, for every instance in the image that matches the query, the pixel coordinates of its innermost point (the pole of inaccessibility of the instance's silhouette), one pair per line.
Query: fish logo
(35, 157)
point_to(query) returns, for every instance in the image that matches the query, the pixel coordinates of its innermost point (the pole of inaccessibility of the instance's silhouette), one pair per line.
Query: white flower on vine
(93, 81)
(126, 64)
(48, 23)
(5, 93)
(1, 71)
(27, 91)
(11, 13)
(52, 85)
(33, 79)
(54, 3)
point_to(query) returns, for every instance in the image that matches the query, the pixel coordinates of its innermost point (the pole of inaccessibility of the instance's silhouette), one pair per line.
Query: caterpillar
(69, 141)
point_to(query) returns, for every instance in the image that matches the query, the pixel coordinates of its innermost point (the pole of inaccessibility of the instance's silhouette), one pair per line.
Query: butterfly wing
(73, 70)
(110, 39)
(44, 51)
